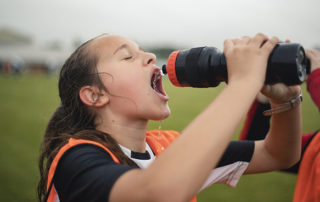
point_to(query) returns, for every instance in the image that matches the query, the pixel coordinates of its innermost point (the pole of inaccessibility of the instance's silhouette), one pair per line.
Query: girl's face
(131, 78)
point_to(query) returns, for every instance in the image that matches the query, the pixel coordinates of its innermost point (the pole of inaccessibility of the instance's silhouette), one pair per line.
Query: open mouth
(156, 83)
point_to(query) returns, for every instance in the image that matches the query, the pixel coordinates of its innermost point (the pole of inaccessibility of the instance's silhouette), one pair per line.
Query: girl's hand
(314, 57)
(247, 58)
(280, 93)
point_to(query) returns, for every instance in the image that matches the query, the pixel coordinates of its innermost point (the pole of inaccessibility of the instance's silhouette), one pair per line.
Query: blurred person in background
(308, 168)
(97, 138)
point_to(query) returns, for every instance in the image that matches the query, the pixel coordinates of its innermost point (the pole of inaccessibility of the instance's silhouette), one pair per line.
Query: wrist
(282, 107)
(252, 84)
(317, 68)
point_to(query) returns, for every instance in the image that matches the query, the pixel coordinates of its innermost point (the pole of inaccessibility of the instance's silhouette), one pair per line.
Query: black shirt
(87, 172)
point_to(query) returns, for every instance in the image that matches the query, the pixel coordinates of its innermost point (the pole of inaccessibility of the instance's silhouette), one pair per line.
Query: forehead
(108, 44)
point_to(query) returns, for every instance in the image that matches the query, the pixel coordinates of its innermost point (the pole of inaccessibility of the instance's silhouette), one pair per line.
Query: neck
(130, 134)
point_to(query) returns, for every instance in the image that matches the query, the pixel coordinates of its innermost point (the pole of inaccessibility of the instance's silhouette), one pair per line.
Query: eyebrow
(124, 46)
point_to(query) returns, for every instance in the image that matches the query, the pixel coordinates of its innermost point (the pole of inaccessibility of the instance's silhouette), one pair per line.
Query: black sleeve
(260, 124)
(86, 173)
(237, 151)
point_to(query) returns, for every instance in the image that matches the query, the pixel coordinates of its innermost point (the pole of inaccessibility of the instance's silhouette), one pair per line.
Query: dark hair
(73, 118)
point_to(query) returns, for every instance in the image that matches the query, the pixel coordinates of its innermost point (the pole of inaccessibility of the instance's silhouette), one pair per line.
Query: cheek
(128, 94)
(125, 84)
(134, 90)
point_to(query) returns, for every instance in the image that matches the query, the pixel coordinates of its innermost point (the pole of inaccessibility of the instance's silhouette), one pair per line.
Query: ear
(93, 97)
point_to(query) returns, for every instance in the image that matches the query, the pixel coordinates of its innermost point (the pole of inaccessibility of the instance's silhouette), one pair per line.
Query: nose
(149, 58)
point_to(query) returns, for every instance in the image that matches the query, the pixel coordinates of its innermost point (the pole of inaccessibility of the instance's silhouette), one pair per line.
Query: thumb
(266, 90)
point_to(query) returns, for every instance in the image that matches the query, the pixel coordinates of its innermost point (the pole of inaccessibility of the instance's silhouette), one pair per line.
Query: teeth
(154, 82)
(154, 85)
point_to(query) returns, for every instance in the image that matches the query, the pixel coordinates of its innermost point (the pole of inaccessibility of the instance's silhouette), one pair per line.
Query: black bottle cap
(164, 69)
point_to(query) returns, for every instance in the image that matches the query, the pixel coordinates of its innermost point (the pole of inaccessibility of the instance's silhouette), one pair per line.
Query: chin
(162, 116)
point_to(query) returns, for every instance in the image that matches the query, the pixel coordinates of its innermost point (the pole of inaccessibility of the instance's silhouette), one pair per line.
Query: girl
(97, 138)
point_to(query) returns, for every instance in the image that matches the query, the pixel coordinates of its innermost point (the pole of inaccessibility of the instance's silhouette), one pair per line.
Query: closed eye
(150, 60)
(128, 58)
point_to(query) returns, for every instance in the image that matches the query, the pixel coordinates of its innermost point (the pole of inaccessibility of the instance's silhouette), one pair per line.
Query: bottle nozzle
(164, 69)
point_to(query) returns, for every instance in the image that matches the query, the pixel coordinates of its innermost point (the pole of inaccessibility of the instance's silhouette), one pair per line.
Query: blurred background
(36, 36)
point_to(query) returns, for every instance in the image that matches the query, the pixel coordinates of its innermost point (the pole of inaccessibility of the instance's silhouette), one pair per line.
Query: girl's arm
(179, 172)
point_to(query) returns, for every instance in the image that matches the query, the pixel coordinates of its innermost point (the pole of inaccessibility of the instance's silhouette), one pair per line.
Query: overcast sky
(183, 22)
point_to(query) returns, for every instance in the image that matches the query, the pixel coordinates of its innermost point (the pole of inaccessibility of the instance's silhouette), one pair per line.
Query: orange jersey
(308, 181)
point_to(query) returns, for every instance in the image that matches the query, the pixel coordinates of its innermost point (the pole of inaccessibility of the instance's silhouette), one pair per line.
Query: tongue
(154, 86)
(156, 83)
(156, 89)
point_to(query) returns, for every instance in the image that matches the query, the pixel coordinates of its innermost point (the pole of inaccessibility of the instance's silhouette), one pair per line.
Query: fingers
(267, 90)
(269, 45)
(231, 42)
(264, 42)
(244, 40)
(259, 39)
(280, 93)
(274, 91)
(309, 53)
(262, 98)
(235, 41)
(314, 57)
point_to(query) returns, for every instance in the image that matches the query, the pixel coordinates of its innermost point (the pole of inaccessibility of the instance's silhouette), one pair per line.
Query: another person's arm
(313, 81)
(256, 125)
(281, 147)
(255, 116)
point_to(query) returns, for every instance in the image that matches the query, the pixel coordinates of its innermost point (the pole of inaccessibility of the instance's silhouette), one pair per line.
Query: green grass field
(27, 102)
